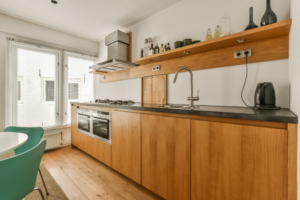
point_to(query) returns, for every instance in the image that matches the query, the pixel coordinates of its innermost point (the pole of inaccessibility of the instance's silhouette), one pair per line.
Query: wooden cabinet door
(85, 143)
(166, 156)
(234, 162)
(73, 125)
(102, 151)
(126, 144)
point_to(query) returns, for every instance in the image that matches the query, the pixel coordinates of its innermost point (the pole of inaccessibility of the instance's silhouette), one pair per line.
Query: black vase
(251, 24)
(269, 16)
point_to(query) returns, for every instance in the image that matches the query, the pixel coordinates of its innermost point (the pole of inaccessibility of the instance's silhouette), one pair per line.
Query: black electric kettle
(265, 97)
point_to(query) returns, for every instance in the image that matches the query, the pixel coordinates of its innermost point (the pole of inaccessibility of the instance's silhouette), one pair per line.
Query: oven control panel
(84, 112)
(100, 114)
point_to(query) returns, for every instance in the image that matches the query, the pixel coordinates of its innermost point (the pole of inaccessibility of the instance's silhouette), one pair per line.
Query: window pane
(37, 70)
(19, 90)
(49, 90)
(73, 91)
(80, 82)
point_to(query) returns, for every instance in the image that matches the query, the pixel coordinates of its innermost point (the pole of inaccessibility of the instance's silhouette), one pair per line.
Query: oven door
(84, 124)
(101, 129)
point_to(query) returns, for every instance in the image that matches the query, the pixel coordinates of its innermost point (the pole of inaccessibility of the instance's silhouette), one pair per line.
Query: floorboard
(82, 177)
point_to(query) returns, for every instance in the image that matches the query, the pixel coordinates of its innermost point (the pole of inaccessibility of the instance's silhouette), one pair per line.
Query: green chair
(18, 174)
(34, 136)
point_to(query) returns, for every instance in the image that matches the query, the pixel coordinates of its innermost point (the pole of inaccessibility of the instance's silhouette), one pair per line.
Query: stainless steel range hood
(117, 53)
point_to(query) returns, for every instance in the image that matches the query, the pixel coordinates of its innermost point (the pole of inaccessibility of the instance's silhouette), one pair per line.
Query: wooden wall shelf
(268, 43)
(254, 35)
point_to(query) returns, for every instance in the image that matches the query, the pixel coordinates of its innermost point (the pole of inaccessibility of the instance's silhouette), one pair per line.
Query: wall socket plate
(156, 68)
(241, 53)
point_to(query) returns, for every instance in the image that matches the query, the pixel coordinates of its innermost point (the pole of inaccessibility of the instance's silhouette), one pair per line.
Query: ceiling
(90, 19)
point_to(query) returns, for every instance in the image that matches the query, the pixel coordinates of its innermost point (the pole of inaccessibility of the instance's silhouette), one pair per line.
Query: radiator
(53, 139)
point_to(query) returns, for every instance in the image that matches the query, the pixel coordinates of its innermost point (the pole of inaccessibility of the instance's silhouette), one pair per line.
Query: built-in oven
(101, 126)
(84, 121)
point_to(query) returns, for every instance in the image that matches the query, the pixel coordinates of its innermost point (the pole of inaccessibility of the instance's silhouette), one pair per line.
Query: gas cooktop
(108, 101)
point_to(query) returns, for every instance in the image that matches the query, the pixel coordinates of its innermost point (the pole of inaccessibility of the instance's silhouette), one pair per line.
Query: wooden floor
(82, 177)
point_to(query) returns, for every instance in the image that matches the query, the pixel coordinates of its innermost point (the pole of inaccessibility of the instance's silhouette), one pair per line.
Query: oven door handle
(102, 120)
(86, 116)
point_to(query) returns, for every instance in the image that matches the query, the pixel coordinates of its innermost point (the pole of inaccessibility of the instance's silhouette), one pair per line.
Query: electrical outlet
(241, 53)
(156, 68)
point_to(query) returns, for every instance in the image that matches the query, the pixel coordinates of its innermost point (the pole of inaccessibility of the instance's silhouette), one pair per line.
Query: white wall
(118, 90)
(191, 19)
(294, 69)
(20, 29)
(222, 86)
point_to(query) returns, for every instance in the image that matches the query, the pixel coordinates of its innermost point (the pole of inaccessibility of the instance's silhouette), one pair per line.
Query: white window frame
(61, 80)
(66, 78)
(12, 82)
(20, 79)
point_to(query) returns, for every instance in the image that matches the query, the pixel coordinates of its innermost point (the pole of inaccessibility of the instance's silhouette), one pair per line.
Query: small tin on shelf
(178, 44)
(187, 42)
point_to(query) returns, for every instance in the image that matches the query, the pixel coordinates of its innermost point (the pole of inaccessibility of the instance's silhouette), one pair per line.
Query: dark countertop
(284, 115)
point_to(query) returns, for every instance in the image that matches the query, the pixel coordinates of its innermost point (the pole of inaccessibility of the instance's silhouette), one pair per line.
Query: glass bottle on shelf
(217, 33)
(208, 36)
(151, 50)
(156, 49)
(168, 47)
(162, 48)
(146, 47)
(142, 52)
(165, 47)
(225, 24)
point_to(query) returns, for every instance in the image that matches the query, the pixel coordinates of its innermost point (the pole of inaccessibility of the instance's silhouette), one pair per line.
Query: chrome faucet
(192, 99)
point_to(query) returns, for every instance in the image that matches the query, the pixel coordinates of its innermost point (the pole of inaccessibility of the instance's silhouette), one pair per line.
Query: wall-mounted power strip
(241, 53)
(156, 68)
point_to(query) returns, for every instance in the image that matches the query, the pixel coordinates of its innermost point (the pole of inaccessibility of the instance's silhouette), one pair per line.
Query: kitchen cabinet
(85, 143)
(78, 139)
(233, 162)
(166, 156)
(102, 151)
(73, 125)
(181, 156)
(126, 144)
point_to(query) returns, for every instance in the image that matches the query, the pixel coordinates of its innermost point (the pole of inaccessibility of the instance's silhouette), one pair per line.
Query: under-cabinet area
(179, 156)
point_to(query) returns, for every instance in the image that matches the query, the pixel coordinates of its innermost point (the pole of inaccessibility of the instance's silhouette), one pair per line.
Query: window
(47, 80)
(28, 104)
(20, 89)
(73, 91)
(48, 90)
(80, 82)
